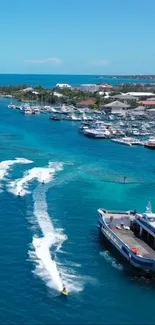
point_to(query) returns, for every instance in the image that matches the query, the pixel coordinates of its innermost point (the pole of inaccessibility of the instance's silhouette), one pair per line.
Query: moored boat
(132, 234)
(55, 118)
(150, 144)
(128, 141)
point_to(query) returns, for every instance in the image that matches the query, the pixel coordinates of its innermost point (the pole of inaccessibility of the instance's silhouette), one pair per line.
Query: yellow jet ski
(64, 292)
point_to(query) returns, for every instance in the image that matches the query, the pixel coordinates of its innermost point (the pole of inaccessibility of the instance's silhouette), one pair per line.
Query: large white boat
(128, 141)
(132, 234)
(96, 133)
(27, 110)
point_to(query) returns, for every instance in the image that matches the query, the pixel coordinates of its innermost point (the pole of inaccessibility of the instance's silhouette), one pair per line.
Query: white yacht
(96, 133)
(127, 141)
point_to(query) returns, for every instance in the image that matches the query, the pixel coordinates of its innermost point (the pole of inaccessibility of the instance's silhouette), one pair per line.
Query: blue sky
(77, 36)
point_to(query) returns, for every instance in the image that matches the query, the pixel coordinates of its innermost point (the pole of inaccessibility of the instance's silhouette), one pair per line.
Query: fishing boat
(132, 234)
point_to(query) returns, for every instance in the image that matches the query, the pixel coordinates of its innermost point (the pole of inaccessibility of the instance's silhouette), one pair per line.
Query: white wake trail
(42, 174)
(46, 246)
(7, 164)
(47, 266)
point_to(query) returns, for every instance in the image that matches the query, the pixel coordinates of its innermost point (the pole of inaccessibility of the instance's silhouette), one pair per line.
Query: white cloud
(100, 63)
(55, 61)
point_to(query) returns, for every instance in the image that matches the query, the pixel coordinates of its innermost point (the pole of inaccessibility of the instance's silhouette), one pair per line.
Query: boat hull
(149, 147)
(146, 265)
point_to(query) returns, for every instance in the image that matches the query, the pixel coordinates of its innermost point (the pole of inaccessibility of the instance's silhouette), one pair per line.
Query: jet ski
(64, 291)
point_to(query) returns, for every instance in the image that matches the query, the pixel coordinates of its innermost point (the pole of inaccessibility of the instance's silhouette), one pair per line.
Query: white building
(63, 86)
(57, 94)
(105, 93)
(28, 89)
(116, 107)
(139, 94)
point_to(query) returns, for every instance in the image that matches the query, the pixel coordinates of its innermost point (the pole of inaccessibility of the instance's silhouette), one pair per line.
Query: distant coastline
(50, 80)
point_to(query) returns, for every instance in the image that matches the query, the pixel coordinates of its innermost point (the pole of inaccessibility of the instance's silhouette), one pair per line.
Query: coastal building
(139, 111)
(148, 103)
(92, 88)
(104, 93)
(56, 94)
(35, 92)
(25, 90)
(86, 103)
(29, 90)
(125, 98)
(139, 94)
(106, 86)
(116, 107)
(61, 86)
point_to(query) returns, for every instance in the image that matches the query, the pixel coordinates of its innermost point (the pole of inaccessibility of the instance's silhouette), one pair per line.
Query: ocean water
(63, 178)
(50, 81)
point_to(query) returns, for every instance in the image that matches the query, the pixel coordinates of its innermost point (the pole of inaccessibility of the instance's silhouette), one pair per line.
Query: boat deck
(128, 237)
(122, 219)
(116, 214)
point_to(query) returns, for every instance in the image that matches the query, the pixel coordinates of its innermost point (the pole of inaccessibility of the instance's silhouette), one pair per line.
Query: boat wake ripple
(44, 248)
(112, 260)
(46, 267)
(42, 174)
(7, 164)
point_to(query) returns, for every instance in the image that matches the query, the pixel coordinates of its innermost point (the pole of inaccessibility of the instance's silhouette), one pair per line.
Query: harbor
(96, 173)
(127, 128)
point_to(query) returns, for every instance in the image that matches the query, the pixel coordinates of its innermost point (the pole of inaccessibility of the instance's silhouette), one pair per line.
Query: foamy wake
(41, 174)
(7, 164)
(44, 249)
(49, 269)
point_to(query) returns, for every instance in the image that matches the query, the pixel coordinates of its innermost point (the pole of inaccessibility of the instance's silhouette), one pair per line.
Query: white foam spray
(50, 270)
(42, 174)
(7, 164)
(47, 266)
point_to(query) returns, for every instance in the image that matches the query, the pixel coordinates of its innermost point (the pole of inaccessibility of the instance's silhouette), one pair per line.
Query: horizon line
(78, 74)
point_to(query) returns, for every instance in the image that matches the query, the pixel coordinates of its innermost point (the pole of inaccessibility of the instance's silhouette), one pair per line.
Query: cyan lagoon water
(63, 178)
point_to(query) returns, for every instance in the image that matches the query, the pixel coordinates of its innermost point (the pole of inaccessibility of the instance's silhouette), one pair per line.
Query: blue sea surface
(59, 219)
(50, 81)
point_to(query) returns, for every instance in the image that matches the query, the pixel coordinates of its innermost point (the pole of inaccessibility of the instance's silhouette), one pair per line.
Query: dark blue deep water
(59, 219)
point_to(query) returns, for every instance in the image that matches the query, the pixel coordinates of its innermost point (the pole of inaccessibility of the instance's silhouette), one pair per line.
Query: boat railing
(117, 212)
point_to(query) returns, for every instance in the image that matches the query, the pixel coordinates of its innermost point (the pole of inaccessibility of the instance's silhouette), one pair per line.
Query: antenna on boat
(149, 207)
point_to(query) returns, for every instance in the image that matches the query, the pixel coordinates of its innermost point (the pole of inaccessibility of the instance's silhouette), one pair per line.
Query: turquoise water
(59, 219)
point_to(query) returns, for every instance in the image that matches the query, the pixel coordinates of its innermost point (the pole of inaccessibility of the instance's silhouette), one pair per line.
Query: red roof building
(105, 86)
(147, 102)
(87, 102)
